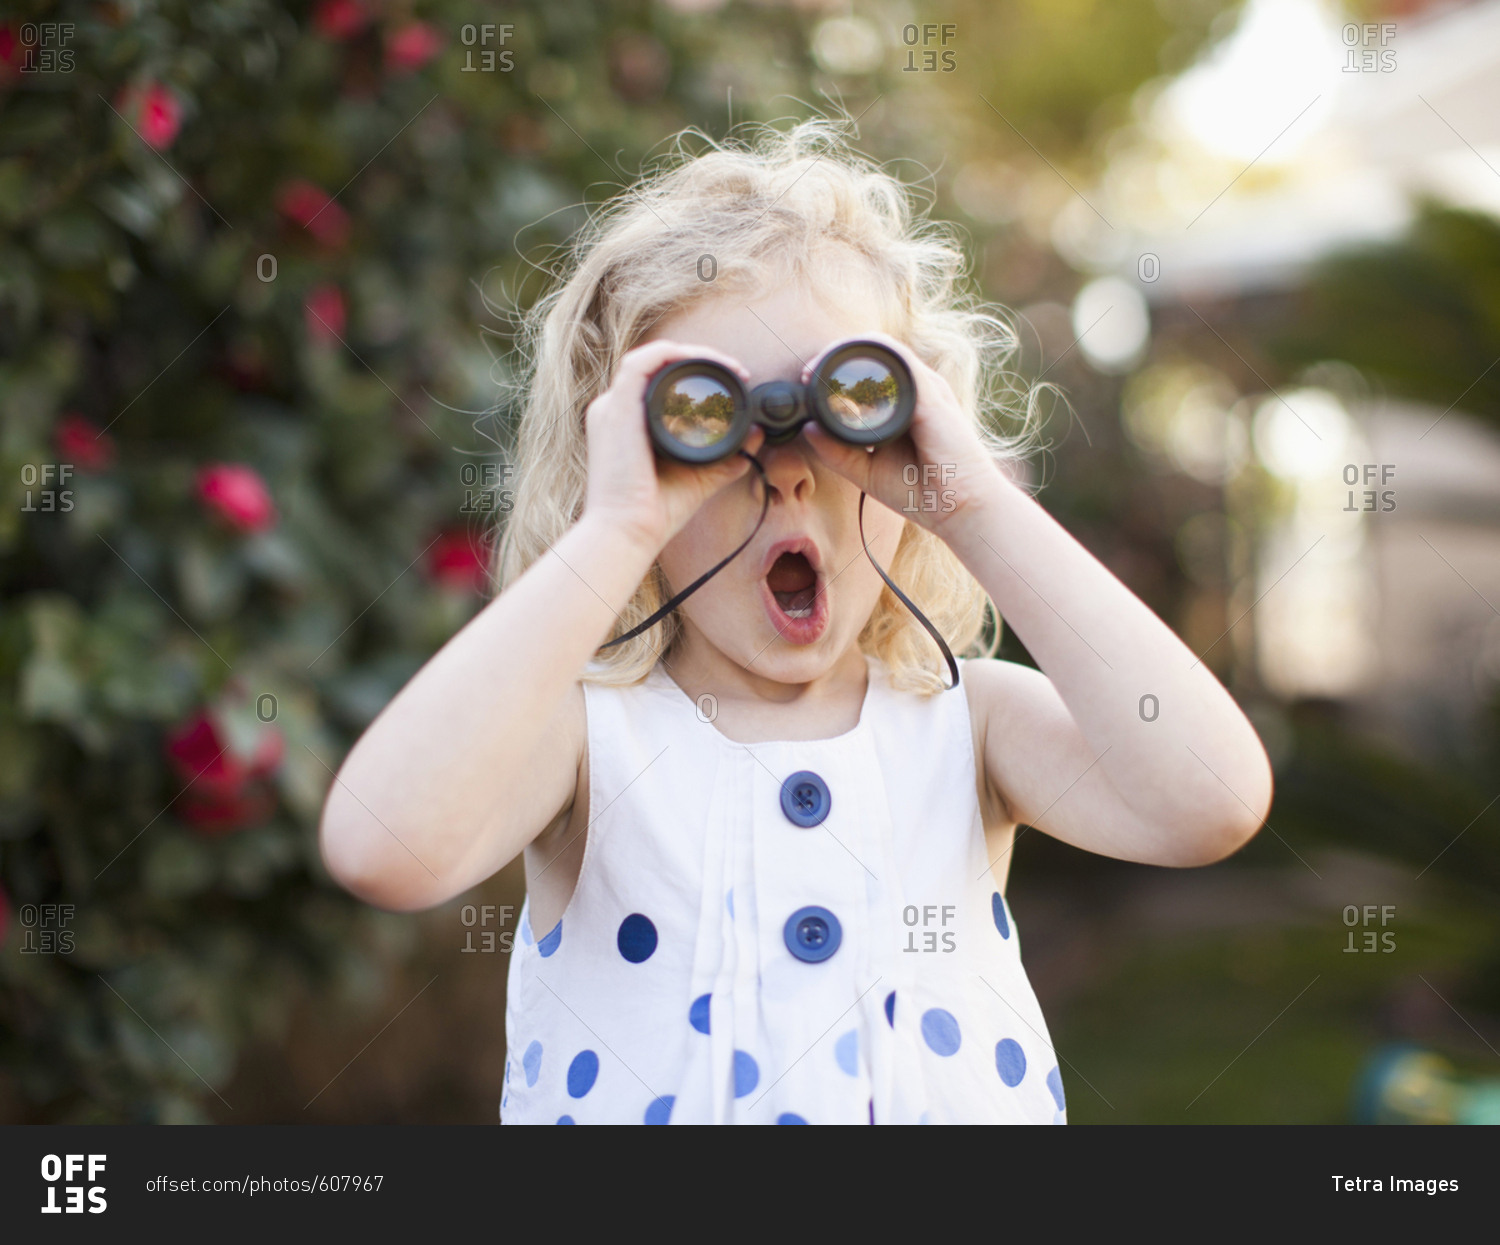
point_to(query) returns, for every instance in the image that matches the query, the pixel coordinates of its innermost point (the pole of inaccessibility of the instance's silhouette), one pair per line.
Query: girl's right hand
(628, 485)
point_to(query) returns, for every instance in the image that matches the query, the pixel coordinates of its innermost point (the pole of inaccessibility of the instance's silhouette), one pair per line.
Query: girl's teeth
(807, 613)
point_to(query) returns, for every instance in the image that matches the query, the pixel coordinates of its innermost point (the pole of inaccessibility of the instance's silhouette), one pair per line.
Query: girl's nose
(789, 469)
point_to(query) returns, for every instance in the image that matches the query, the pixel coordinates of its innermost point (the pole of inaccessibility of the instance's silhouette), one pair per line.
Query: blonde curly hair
(789, 204)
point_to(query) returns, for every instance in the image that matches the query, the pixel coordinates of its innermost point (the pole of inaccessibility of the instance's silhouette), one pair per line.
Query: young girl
(765, 850)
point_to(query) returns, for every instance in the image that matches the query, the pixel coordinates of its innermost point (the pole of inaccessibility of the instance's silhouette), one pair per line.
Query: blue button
(805, 799)
(812, 934)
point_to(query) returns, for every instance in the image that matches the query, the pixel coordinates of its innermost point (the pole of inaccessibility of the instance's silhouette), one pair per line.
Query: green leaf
(50, 690)
(212, 579)
(176, 865)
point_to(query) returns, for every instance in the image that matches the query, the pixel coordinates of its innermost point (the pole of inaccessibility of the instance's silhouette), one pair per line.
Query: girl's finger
(754, 439)
(850, 461)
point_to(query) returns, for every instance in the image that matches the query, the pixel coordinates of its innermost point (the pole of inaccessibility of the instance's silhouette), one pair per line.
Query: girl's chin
(798, 628)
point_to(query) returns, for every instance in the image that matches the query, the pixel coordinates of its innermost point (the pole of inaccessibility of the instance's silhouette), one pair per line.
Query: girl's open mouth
(793, 583)
(794, 600)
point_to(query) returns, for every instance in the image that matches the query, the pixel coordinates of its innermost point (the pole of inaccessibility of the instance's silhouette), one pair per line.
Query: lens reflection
(697, 410)
(860, 393)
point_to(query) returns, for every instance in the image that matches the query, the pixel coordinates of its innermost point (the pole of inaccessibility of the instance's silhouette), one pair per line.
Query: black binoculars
(699, 412)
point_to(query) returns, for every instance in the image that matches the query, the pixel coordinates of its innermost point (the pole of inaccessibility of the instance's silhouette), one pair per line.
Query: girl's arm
(1124, 743)
(1176, 778)
(480, 751)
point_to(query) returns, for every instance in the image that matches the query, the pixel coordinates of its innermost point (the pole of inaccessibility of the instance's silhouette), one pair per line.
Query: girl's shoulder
(653, 703)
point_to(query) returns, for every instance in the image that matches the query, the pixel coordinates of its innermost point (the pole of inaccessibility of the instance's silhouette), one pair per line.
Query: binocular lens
(697, 410)
(860, 393)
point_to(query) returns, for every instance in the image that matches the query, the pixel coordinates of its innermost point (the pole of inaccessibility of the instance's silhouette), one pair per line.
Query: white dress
(790, 932)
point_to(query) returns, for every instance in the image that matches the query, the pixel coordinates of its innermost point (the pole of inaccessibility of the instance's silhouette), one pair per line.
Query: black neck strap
(907, 601)
(765, 507)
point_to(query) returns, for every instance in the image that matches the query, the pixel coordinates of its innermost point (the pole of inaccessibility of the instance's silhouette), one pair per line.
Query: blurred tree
(1421, 318)
(1422, 315)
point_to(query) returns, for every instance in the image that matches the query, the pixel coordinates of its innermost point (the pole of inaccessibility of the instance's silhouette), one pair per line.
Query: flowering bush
(244, 265)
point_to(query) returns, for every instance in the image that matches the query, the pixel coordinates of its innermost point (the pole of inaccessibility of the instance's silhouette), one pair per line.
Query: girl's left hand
(935, 473)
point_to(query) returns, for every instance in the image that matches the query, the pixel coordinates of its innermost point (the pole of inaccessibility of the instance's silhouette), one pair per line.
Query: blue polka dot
(637, 938)
(552, 941)
(660, 1111)
(531, 1062)
(746, 1073)
(997, 906)
(846, 1051)
(582, 1073)
(526, 935)
(1010, 1061)
(729, 902)
(790, 1117)
(1059, 1118)
(698, 1013)
(925, 1118)
(566, 1119)
(940, 1031)
(1054, 1083)
(890, 1009)
(507, 1071)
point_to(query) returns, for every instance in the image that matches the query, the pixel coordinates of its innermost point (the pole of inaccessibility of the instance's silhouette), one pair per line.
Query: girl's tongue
(794, 584)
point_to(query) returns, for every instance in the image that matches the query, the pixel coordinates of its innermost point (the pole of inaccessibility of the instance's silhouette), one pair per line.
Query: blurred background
(259, 274)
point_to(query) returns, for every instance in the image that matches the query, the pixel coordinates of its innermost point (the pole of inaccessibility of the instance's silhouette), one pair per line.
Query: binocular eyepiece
(699, 412)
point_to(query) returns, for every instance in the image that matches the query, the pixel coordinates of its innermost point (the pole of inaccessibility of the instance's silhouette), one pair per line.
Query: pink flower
(457, 561)
(340, 19)
(237, 494)
(411, 47)
(81, 443)
(154, 112)
(307, 205)
(14, 53)
(225, 790)
(324, 314)
(11, 49)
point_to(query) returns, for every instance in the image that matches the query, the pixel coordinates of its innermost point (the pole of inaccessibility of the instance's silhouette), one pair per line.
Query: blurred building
(1374, 579)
